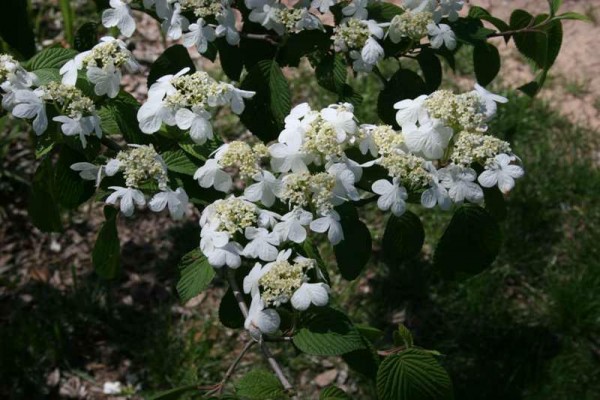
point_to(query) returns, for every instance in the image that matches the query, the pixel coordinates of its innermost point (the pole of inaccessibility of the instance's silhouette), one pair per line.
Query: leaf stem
(233, 366)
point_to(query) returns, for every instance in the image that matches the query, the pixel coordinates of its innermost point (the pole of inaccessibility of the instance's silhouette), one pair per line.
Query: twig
(257, 36)
(233, 366)
(263, 345)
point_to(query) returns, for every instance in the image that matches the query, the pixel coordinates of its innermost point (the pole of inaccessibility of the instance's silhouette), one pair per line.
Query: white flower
(88, 171)
(267, 219)
(344, 188)
(250, 284)
(341, 120)
(235, 97)
(228, 254)
(500, 172)
(152, 114)
(226, 27)
(392, 196)
(82, 126)
(211, 174)
(356, 9)
(359, 64)
(292, 225)
(112, 167)
(489, 99)
(107, 80)
(323, 5)
(266, 190)
(310, 293)
(411, 111)
(200, 35)
(440, 35)
(211, 238)
(176, 201)
(111, 388)
(308, 21)
(286, 157)
(120, 16)
(197, 122)
(262, 244)
(30, 105)
(450, 9)
(460, 182)
(367, 143)
(71, 67)
(436, 194)
(420, 5)
(259, 320)
(330, 223)
(163, 86)
(175, 24)
(372, 51)
(129, 199)
(430, 139)
(268, 16)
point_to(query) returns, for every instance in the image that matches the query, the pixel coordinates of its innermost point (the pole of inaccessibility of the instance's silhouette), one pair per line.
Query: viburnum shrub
(267, 203)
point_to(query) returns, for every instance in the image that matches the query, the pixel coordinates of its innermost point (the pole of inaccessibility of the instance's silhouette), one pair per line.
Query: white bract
(119, 15)
(500, 171)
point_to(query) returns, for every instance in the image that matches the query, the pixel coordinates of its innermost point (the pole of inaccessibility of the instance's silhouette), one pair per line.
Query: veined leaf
(195, 275)
(403, 238)
(170, 62)
(260, 384)
(106, 255)
(333, 393)
(54, 57)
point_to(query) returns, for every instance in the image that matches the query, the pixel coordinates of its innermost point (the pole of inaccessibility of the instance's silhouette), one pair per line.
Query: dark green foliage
(86, 36)
(260, 384)
(231, 62)
(413, 375)
(327, 332)
(486, 61)
(403, 238)
(229, 312)
(16, 29)
(265, 112)
(470, 243)
(43, 199)
(354, 251)
(171, 61)
(106, 255)
(195, 275)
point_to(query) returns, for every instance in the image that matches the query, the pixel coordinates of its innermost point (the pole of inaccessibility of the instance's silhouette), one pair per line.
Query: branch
(263, 345)
(232, 367)
(111, 144)
(255, 36)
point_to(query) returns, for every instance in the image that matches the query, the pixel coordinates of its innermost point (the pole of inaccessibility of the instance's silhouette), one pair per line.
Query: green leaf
(404, 84)
(364, 361)
(470, 243)
(495, 203)
(106, 255)
(195, 274)
(324, 331)
(486, 61)
(403, 337)
(532, 88)
(383, 12)
(173, 394)
(253, 51)
(331, 72)
(470, 30)
(16, 29)
(86, 36)
(354, 251)
(179, 161)
(573, 16)
(119, 116)
(542, 45)
(333, 393)
(230, 59)
(554, 6)
(483, 14)
(260, 384)
(47, 75)
(71, 190)
(265, 112)
(54, 57)
(43, 206)
(302, 44)
(432, 69)
(403, 238)
(170, 62)
(229, 311)
(413, 375)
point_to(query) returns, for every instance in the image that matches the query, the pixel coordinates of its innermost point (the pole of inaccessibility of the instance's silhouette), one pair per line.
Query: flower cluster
(200, 22)
(143, 169)
(103, 65)
(185, 100)
(76, 112)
